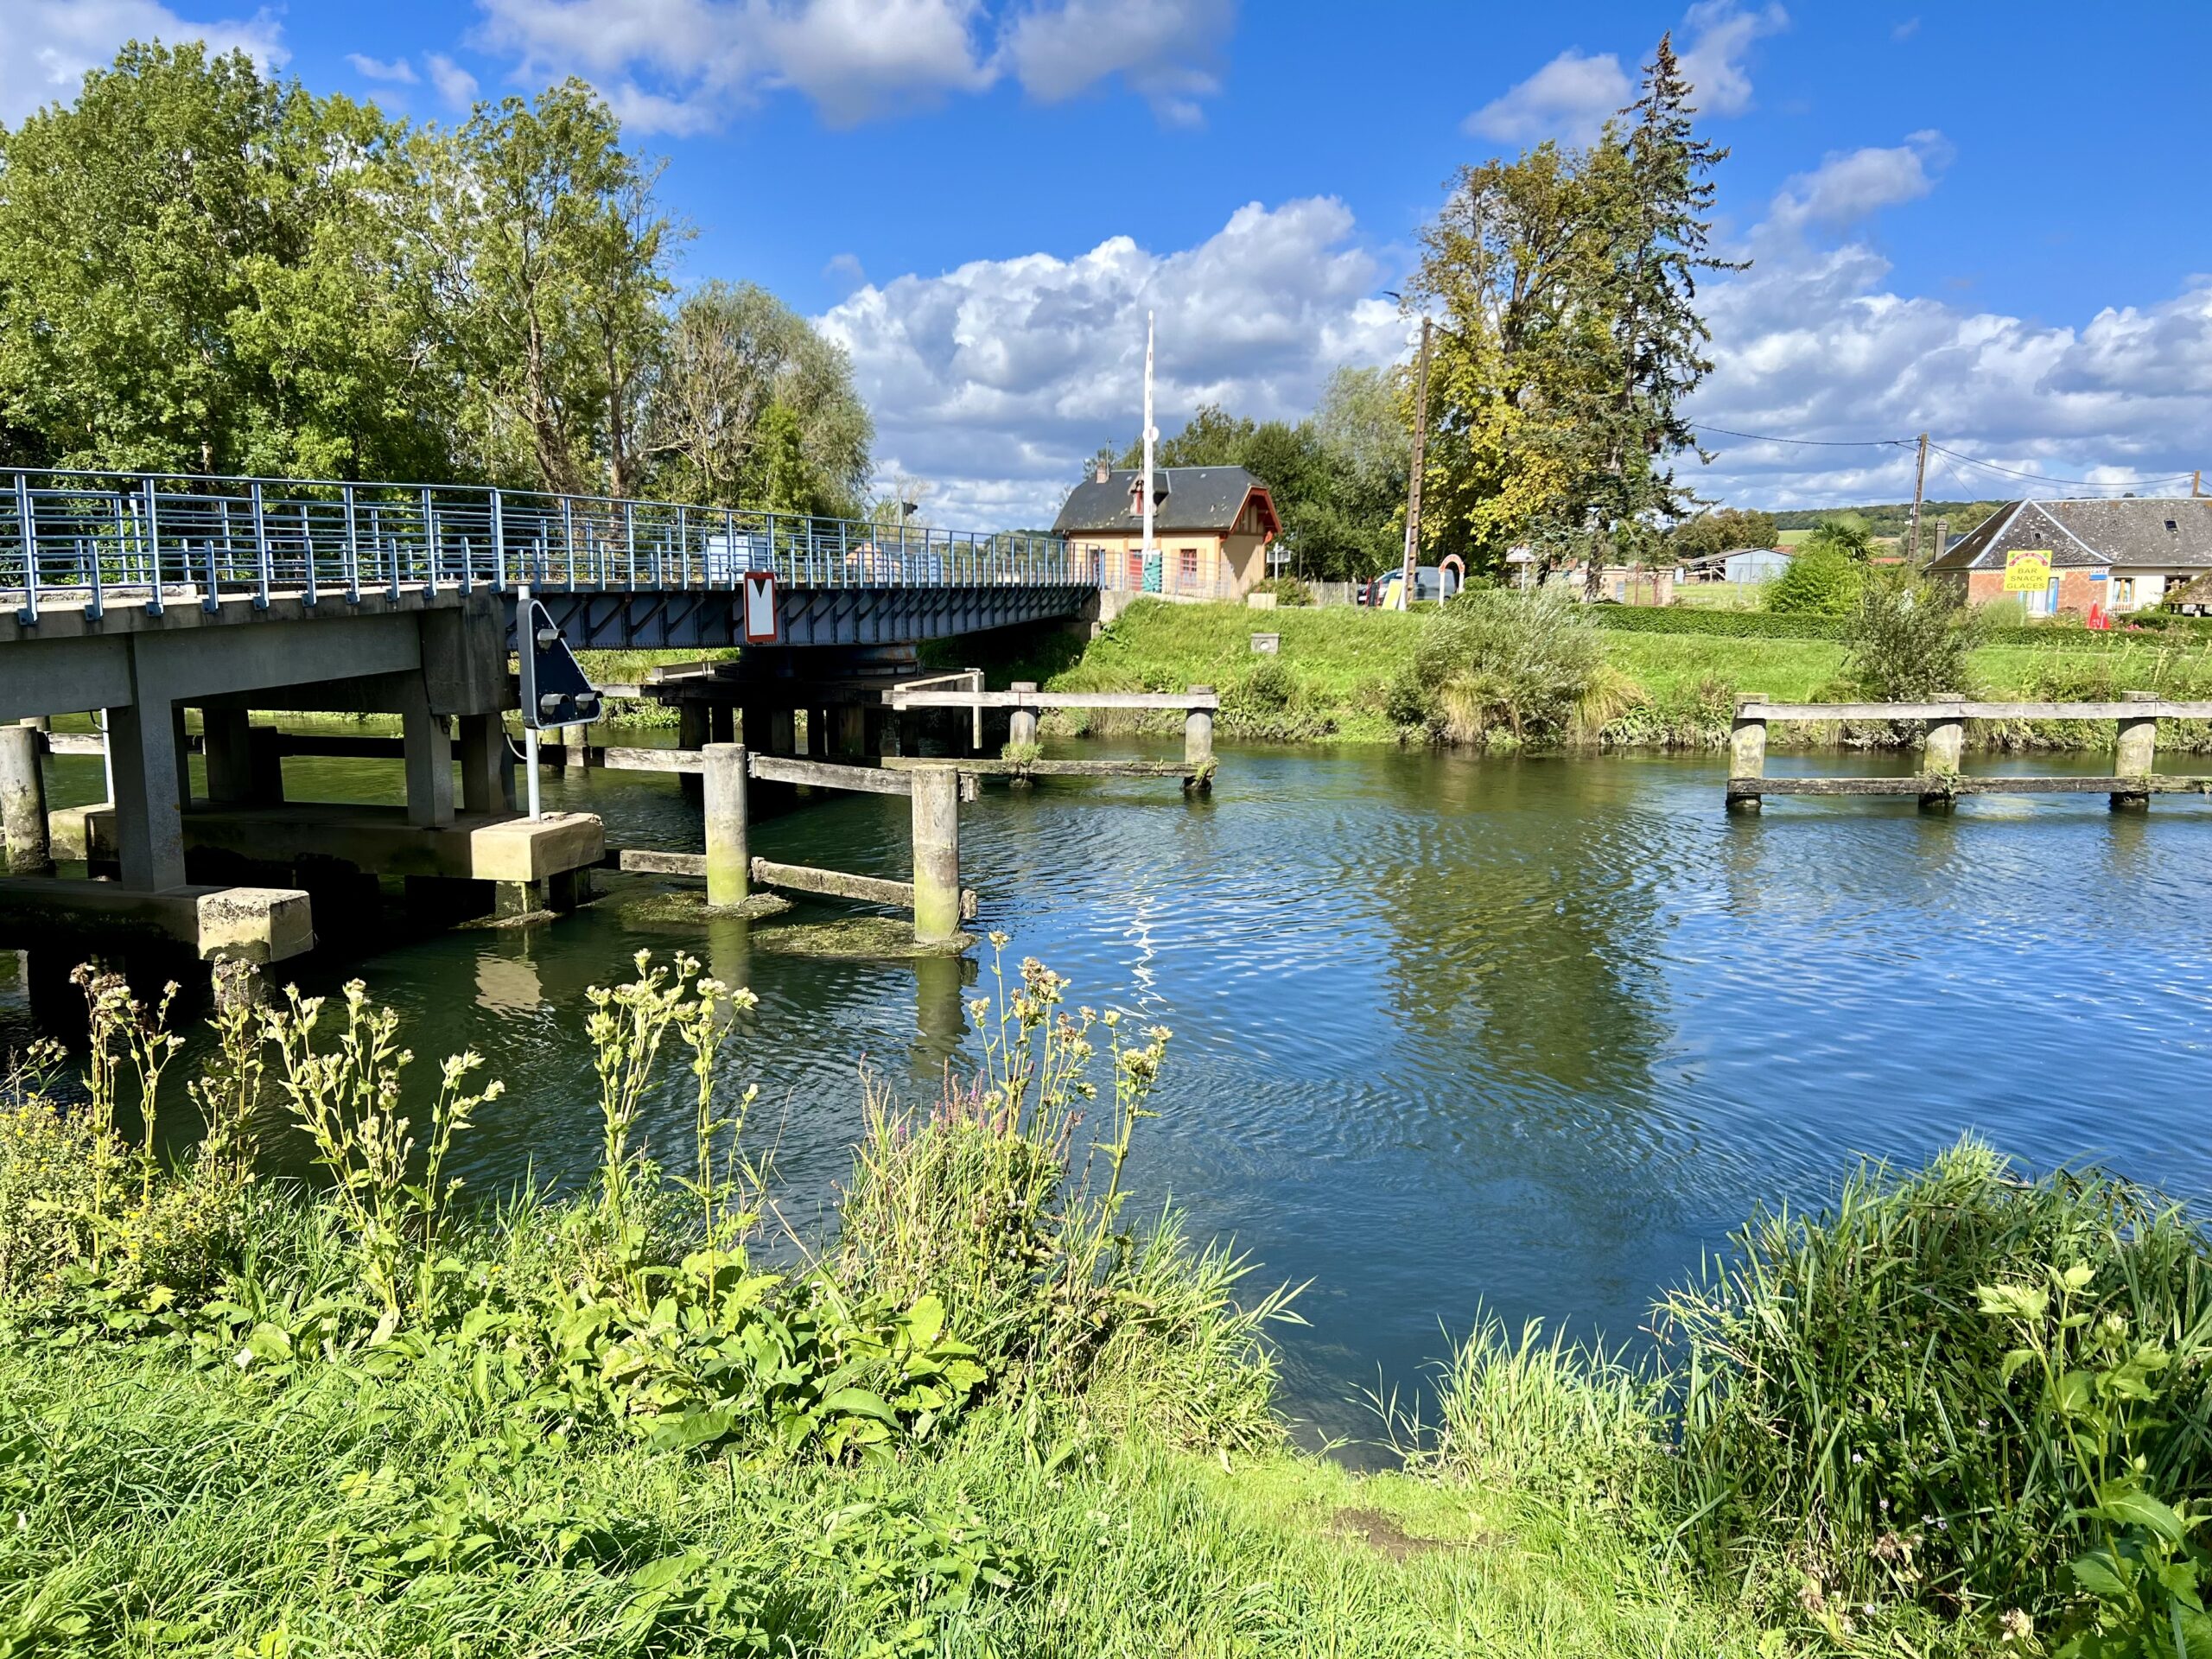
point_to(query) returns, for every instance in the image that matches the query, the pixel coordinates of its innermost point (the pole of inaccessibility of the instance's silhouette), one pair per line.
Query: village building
(1211, 527)
(2119, 555)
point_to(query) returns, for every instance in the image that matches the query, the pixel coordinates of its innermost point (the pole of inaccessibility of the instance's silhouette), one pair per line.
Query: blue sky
(1979, 220)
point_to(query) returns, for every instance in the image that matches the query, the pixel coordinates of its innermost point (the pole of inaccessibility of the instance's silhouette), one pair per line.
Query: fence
(163, 539)
(2132, 784)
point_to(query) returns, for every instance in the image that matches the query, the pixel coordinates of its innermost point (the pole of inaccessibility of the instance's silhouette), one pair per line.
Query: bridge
(136, 597)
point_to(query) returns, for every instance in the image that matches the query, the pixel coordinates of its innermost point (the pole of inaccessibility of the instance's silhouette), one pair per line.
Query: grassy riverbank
(1332, 679)
(1007, 1410)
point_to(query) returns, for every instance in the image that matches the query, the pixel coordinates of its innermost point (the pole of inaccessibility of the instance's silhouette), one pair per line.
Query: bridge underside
(810, 615)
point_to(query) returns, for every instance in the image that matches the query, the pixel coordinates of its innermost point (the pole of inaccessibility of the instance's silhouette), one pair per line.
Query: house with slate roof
(1210, 524)
(2123, 555)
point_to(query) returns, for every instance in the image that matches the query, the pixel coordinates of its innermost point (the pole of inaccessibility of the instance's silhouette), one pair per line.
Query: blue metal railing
(88, 539)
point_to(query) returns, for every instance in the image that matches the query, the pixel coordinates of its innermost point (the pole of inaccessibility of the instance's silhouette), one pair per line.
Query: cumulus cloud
(1814, 343)
(1571, 98)
(999, 379)
(1166, 51)
(1850, 185)
(685, 66)
(399, 71)
(455, 84)
(51, 43)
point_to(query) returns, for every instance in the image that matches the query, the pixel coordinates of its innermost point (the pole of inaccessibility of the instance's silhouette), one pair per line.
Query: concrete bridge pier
(22, 802)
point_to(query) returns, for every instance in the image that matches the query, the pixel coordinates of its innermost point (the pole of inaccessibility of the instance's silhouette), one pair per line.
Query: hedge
(2159, 628)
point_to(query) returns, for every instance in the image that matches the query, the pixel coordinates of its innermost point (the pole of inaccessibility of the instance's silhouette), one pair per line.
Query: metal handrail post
(260, 550)
(568, 539)
(430, 545)
(307, 538)
(29, 528)
(154, 551)
(629, 542)
(498, 542)
(352, 550)
(212, 601)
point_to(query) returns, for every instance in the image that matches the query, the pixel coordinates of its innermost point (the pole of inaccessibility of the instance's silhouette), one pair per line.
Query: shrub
(1845, 1392)
(1822, 580)
(1498, 665)
(1288, 590)
(1909, 640)
(1271, 687)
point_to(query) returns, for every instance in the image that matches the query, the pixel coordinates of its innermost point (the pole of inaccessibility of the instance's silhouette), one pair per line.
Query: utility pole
(1145, 564)
(2197, 483)
(1919, 486)
(1412, 484)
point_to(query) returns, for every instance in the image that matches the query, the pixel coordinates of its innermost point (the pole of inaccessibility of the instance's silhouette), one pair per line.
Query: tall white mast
(1148, 437)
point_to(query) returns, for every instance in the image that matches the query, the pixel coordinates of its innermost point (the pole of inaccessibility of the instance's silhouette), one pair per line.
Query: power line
(2045, 477)
(1809, 443)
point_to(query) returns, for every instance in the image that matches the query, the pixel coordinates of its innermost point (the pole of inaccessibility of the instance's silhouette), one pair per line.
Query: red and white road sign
(760, 608)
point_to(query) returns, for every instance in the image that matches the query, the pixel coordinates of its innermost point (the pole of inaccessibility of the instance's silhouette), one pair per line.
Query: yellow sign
(2028, 570)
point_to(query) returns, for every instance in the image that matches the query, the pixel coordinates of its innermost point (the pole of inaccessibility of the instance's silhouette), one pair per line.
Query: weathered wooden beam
(616, 760)
(74, 743)
(1969, 710)
(646, 860)
(1178, 701)
(2156, 784)
(838, 884)
(822, 774)
(995, 768)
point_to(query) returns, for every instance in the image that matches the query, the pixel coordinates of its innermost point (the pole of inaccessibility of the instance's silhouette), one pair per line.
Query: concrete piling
(22, 802)
(729, 855)
(1746, 753)
(2137, 752)
(1197, 742)
(1021, 725)
(487, 768)
(1946, 745)
(937, 855)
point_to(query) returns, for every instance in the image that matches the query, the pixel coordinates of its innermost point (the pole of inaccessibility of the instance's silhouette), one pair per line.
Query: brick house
(1211, 525)
(2123, 555)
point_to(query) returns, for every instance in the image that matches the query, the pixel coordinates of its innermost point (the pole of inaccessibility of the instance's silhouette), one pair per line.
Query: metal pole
(430, 543)
(1413, 483)
(530, 765)
(353, 552)
(154, 550)
(24, 523)
(260, 552)
(498, 542)
(307, 543)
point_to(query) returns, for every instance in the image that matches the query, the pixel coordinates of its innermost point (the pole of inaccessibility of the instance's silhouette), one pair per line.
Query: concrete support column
(1198, 743)
(730, 853)
(149, 819)
(2138, 751)
(488, 765)
(180, 747)
(849, 726)
(1746, 753)
(22, 802)
(691, 732)
(783, 732)
(1021, 725)
(936, 854)
(1946, 741)
(721, 722)
(227, 735)
(428, 749)
(817, 734)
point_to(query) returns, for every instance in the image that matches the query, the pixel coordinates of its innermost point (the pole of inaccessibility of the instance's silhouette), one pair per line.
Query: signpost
(555, 692)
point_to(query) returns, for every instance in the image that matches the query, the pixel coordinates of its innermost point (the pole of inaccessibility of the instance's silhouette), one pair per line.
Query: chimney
(1101, 471)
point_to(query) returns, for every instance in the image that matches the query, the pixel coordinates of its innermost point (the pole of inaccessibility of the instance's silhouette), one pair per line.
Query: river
(1451, 1033)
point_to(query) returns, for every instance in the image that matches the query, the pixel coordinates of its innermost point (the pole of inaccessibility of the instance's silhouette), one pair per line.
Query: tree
(1721, 532)
(1845, 533)
(202, 270)
(1820, 581)
(553, 263)
(1663, 197)
(750, 407)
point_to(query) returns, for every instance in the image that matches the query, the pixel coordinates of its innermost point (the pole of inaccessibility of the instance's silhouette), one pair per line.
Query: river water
(1451, 1033)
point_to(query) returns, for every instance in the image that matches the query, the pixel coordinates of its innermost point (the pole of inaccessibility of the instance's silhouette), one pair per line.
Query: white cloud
(846, 268)
(1850, 185)
(1165, 50)
(455, 84)
(49, 44)
(1570, 98)
(999, 379)
(399, 71)
(1814, 343)
(1720, 33)
(685, 66)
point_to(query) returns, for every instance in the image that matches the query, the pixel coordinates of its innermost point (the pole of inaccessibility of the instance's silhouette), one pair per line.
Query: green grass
(1340, 661)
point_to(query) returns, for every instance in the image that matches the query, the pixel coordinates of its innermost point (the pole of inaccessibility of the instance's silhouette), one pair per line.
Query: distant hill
(1894, 518)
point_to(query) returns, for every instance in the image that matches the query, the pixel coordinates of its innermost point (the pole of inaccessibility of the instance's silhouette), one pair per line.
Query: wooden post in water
(729, 855)
(2137, 749)
(1947, 743)
(1197, 742)
(1747, 752)
(22, 802)
(937, 855)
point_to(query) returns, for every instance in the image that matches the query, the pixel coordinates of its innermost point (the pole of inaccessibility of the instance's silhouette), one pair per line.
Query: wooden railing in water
(1940, 782)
